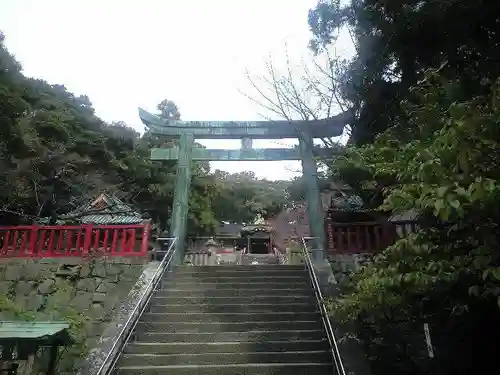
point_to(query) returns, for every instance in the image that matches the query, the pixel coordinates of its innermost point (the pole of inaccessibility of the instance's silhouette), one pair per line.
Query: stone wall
(201, 258)
(85, 293)
(352, 352)
(197, 244)
(330, 275)
(344, 265)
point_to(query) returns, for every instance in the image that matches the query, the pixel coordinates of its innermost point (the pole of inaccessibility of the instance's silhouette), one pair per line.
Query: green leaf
(442, 191)
(495, 272)
(474, 290)
(439, 207)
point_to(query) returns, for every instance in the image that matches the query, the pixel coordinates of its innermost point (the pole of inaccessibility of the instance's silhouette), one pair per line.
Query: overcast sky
(126, 54)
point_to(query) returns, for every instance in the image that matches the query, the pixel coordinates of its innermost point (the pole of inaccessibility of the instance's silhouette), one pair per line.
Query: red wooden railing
(364, 237)
(36, 241)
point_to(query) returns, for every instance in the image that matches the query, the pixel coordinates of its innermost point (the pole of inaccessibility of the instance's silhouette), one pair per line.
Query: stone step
(223, 358)
(225, 347)
(229, 317)
(217, 337)
(202, 327)
(246, 300)
(248, 259)
(230, 320)
(325, 368)
(223, 279)
(196, 284)
(229, 307)
(242, 274)
(241, 292)
(238, 268)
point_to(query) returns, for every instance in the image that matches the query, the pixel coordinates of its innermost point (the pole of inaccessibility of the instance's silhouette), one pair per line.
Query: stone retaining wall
(331, 273)
(344, 265)
(83, 292)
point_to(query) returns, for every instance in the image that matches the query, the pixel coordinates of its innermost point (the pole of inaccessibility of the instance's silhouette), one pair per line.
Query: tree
(430, 146)
(168, 110)
(447, 273)
(305, 91)
(56, 154)
(296, 190)
(397, 41)
(49, 138)
(241, 197)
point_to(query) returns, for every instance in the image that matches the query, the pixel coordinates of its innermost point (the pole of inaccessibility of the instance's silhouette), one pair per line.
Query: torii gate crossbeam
(187, 131)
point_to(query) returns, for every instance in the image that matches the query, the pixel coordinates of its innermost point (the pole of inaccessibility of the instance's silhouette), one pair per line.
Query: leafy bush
(444, 164)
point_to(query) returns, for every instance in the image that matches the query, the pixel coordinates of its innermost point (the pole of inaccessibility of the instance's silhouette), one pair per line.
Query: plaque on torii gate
(186, 152)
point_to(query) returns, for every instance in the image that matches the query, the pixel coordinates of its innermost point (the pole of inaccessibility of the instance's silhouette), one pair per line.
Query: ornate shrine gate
(188, 131)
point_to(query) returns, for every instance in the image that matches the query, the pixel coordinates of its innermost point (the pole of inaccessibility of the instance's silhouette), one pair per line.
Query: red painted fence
(364, 237)
(36, 241)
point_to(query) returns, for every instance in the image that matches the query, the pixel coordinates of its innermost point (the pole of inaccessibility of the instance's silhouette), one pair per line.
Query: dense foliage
(55, 154)
(242, 195)
(396, 41)
(424, 85)
(449, 174)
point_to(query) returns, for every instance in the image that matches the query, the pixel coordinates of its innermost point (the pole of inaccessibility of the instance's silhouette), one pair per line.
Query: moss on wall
(85, 293)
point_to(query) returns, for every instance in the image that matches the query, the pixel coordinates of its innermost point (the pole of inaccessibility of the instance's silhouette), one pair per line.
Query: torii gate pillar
(313, 197)
(188, 131)
(178, 224)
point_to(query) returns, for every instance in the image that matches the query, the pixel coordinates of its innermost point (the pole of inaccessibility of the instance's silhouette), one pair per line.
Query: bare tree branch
(18, 213)
(269, 104)
(36, 193)
(307, 91)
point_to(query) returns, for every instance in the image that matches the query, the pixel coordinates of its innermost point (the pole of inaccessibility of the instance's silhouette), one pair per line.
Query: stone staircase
(259, 259)
(230, 320)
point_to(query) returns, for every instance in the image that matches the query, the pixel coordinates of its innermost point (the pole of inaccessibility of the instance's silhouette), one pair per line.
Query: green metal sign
(188, 131)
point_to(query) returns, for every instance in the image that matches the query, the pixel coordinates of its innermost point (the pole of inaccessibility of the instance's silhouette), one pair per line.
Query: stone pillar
(314, 207)
(178, 227)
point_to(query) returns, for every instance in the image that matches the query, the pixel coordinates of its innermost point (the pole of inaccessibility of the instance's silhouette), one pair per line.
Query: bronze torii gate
(188, 131)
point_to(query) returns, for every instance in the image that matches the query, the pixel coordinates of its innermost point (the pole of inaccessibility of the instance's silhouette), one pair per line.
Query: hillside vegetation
(424, 84)
(55, 154)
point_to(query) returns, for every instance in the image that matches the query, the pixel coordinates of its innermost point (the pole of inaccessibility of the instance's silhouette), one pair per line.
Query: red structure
(364, 237)
(40, 241)
(349, 228)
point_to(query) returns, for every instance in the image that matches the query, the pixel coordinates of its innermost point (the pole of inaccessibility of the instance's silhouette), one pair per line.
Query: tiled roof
(346, 203)
(229, 229)
(410, 215)
(43, 331)
(295, 221)
(256, 228)
(105, 209)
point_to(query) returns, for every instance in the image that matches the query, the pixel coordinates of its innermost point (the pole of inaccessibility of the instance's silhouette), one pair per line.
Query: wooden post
(181, 196)
(314, 207)
(33, 240)
(29, 365)
(51, 370)
(87, 240)
(144, 240)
